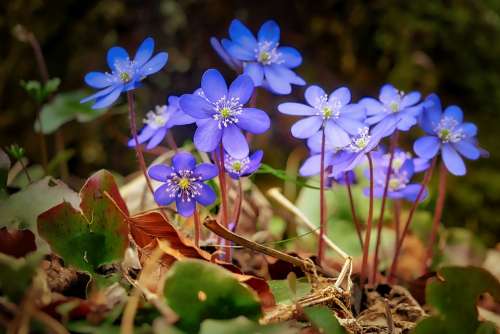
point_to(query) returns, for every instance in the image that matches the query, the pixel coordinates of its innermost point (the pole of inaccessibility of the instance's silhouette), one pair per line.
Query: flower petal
(157, 138)
(336, 135)
(311, 166)
(235, 142)
(207, 195)
(372, 106)
(307, 127)
(155, 64)
(269, 32)
(255, 71)
(355, 111)
(97, 80)
(409, 100)
(406, 122)
(185, 208)
(107, 100)
(470, 129)
(206, 171)
(238, 51)
(351, 126)
(454, 112)
(314, 96)
(183, 161)
(291, 57)
(163, 196)
(254, 120)
(225, 56)
(208, 135)
(467, 149)
(240, 34)
(431, 114)
(427, 147)
(146, 133)
(115, 54)
(410, 192)
(196, 106)
(213, 85)
(388, 93)
(278, 84)
(342, 94)
(254, 164)
(241, 88)
(296, 109)
(452, 160)
(160, 172)
(144, 52)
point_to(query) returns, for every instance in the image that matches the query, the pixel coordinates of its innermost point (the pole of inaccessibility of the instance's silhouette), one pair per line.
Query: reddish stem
(397, 221)
(438, 213)
(138, 149)
(237, 207)
(394, 140)
(197, 227)
(223, 191)
(425, 182)
(353, 210)
(171, 141)
(366, 244)
(322, 205)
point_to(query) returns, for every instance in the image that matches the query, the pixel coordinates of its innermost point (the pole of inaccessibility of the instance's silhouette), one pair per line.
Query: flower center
(328, 109)
(267, 53)
(184, 184)
(227, 111)
(125, 70)
(359, 142)
(398, 181)
(157, 118)
(236, 166)
(394, 106)
(125, 77)
(447, 130)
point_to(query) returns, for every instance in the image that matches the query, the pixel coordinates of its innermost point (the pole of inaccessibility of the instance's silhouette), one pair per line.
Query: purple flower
(335, 113)
(221, 116)
(342, 178)
(403, 168)
(159, 121)
(184, 183)
(393, 108)
(268, 64)
(237, 168)
(446, 132)
(125, 74)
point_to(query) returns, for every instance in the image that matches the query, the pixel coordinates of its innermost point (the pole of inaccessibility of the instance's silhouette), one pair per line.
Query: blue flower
(159, 121)
(125, 74)
(183, 183)
(404, 166)
(335, 113)
(393, 108)
(268, 64)
(237, 168)
(448, 134)
(342, 178)
(221, 115)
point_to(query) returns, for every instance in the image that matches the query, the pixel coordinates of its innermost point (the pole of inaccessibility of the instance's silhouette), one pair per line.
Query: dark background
(448, 47)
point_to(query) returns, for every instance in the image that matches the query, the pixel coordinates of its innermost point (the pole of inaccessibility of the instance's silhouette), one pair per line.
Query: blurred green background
(448, 47)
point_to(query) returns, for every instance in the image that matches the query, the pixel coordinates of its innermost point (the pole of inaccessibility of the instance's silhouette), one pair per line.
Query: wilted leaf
(242, 325)
(66, 107)
(16, 243)
(453, 295)
(94, 236)
(16, 274)
(323, 319)
(198, 290)
(20, 211)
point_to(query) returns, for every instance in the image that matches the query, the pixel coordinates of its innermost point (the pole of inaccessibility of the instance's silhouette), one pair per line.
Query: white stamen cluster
(267, 53)
(328, 109)
(236, 166)
(447, 130)
(227, 111)
(125, 70)
(359, 142)
(184, 184)
(157, 118)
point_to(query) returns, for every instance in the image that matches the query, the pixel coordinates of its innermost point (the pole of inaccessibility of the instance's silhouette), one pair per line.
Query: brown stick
(196, 227)
(220, 230)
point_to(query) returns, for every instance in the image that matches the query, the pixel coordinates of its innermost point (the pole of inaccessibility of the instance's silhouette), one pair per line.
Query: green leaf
(242, 325)
(40, 92)
(92, 237)
(323, 319)
(64, 108)
(281, 174)
(20, 211)
(198, 290)
(453, 295)
(17, 274)
(51, 86)
(283, 294)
